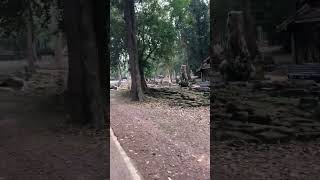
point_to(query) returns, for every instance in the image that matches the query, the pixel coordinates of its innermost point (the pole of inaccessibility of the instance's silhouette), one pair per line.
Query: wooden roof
(205, 64)
(306, 14)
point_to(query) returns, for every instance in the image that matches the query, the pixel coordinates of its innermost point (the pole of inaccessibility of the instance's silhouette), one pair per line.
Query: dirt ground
(164, 142)
(37, 143)
(291, 161)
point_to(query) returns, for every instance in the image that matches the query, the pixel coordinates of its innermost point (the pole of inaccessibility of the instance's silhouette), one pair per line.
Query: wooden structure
(304, 29)
(204, 70)
(306, 71)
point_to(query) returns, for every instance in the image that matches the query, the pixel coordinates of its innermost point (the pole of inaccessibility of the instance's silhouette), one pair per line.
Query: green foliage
(169, 33)
(197, 35)
(45, 17)
(157, 35)
(14, 12)
(117, 36)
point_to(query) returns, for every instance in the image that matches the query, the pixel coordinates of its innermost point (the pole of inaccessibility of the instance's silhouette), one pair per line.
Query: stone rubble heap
(267, 112)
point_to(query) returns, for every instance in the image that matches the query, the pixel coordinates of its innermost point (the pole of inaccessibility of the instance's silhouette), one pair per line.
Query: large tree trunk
(76, 86)
(129, 16)
(102, 29)
(143, 80)
(91, 63)
(85, 88)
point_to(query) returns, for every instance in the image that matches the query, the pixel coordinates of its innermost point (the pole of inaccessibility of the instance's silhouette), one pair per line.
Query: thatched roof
(205, 64)
(306, 14)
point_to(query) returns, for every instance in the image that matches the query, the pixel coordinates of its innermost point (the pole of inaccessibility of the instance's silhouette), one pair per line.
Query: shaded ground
(266, 130)
(267, 112)
(165, 142)
(291, 161)
(36, 142)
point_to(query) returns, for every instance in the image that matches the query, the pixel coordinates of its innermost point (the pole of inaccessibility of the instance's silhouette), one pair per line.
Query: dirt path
(291, 161)
(164, 142)
(35, 144)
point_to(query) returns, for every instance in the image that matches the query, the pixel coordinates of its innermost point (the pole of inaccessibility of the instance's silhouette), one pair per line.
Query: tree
(117, 35)
(56, 22)
(250, 30)
(19, 15)
(85, 26)
(134, 68)
(157, 37)
(169, 33)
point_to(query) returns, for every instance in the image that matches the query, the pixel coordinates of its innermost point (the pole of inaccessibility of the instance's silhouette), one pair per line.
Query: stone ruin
(184, 77)
(267, 111)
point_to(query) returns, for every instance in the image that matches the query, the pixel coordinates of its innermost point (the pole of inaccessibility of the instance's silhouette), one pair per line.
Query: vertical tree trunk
(142, 75)
(59, 49)
(143, 80)
(250, 30)
(169, 73)
(76, 86)
(86, 90)
(102, 29)
(29, 34)
(91, 66)
(129, 16)
(119, 74)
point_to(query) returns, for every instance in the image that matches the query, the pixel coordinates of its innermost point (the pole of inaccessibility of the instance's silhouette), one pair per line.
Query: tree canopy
(169, 33)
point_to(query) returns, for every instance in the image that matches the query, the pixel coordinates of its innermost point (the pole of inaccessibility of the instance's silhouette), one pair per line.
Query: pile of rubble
(266, 111)
(180, 96)
(41, 82)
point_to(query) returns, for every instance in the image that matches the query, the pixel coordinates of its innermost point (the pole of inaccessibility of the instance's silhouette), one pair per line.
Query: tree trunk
(85, 87)
(136, 85)
(142, 75)
(170, 78)
(143, 80)
(91, 64)
(30, 48)
(76, 86)
(188, 71)
(250, 30)
(102, 29)
(119, 74)
(59, 50)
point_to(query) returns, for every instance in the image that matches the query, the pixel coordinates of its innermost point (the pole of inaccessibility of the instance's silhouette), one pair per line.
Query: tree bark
(59, 49)
(136, 85)
(141, 69)
(102, 28)
(250, 30)
(143, 80)
(91, 64)
(170, 77)
(85, 88)
(119, 74)
(76, 86)
(30, 39)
